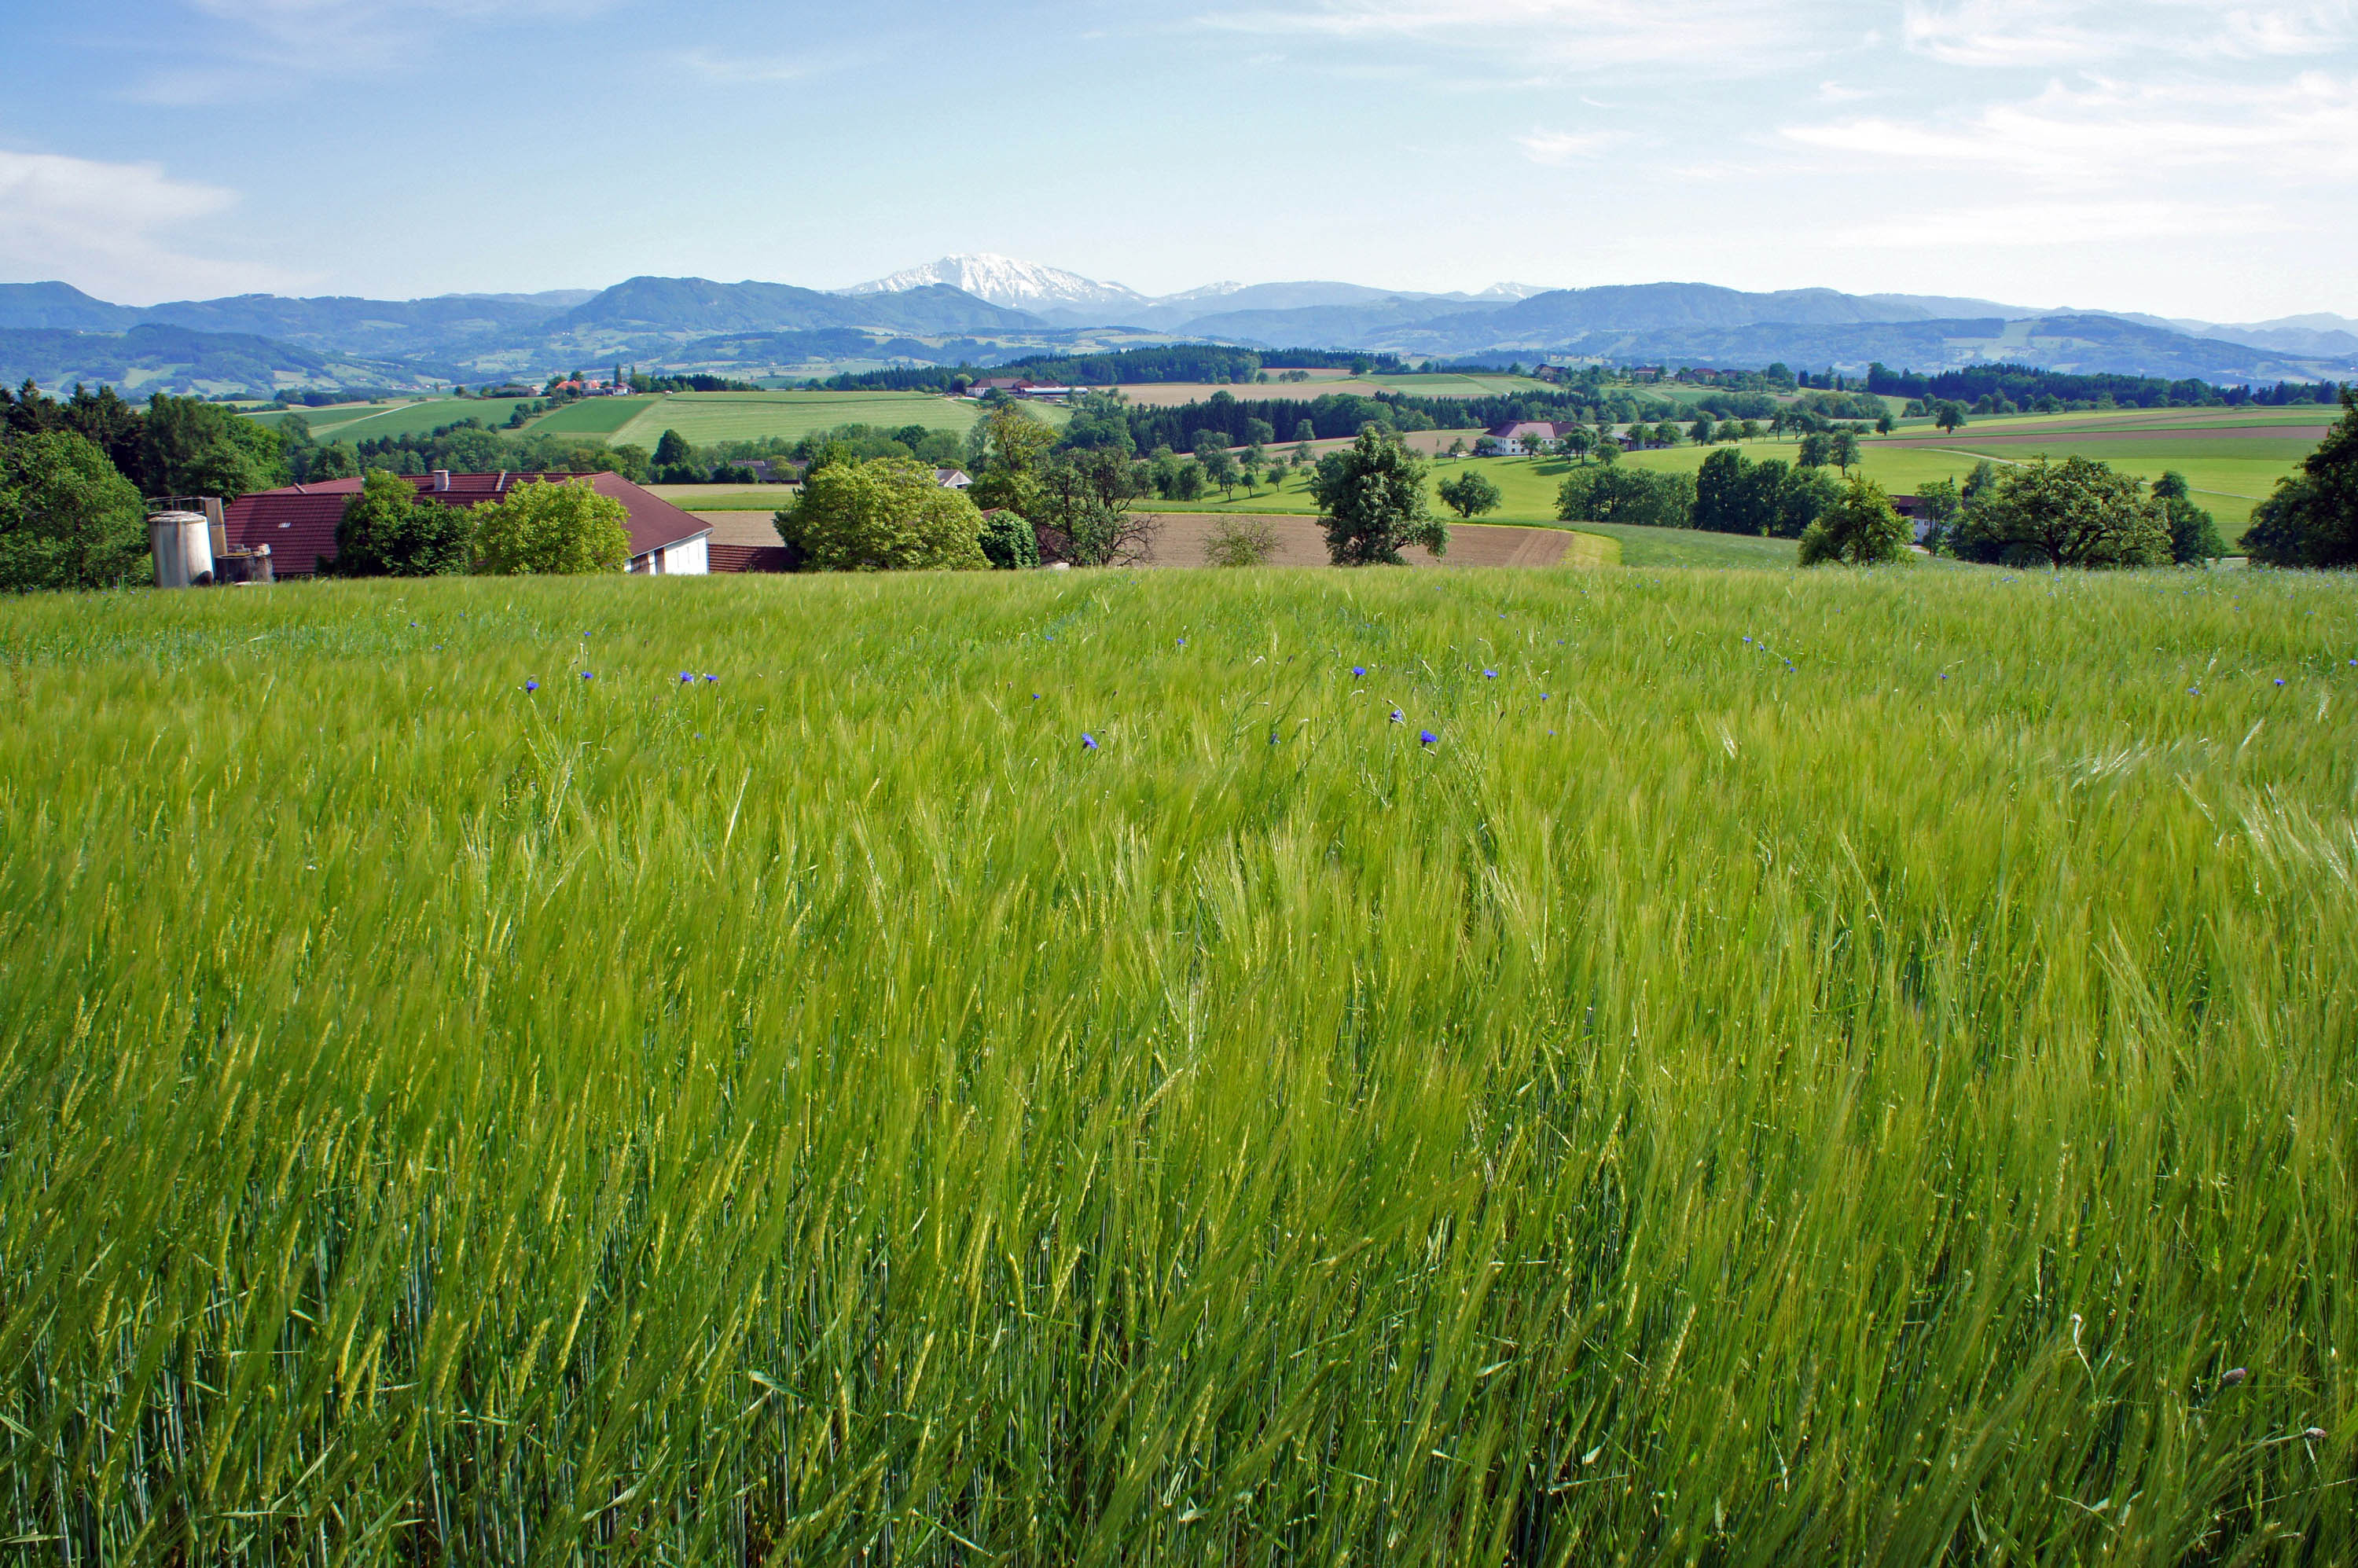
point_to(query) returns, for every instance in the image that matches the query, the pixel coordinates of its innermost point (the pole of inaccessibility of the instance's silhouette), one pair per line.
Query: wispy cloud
(2273, 133)
(1553, 40)
(250, 45)
(2050, 33)
(110, 228)
(2035, 224)
(716, 66)
(1566, 146)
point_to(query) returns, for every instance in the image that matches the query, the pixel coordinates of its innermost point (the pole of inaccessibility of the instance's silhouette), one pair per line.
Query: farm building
(298, 523)
(1517, 436)
(952, 479)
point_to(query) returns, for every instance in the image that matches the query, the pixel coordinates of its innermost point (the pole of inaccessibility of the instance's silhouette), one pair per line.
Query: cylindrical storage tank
(183, 544)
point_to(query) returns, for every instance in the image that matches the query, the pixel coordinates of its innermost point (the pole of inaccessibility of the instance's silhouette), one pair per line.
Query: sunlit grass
(1807, 1068)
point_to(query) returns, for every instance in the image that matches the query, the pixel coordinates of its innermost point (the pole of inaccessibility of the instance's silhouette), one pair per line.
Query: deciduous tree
(1860, 529)
(2311, 519)
(1372, 502)
(387, 531)
(67, 519)
(550, 528)
(1470, 494)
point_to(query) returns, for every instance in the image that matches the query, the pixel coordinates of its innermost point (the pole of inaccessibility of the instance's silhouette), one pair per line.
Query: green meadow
(707, 418)
(1747, 1067)
(362, 422)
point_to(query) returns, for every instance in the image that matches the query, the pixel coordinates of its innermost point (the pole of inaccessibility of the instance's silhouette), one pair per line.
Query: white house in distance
(952, 479)
(1518, 437)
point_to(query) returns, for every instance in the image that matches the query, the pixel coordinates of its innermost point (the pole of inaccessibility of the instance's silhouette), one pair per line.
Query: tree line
(1170, 362)
(2027, 386)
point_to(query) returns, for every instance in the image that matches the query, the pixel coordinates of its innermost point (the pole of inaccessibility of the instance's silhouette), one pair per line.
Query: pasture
(364, 421)
(1749, 1067)
(1323, 383)
(707, 418)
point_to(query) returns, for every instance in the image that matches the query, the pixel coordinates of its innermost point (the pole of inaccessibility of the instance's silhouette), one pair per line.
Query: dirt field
(740, 527)
(1301, 543)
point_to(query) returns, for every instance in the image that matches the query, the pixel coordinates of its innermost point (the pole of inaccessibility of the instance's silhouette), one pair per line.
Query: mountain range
(985, 309)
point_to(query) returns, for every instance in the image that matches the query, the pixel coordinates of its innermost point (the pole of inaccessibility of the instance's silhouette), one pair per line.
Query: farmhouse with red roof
(298, 523)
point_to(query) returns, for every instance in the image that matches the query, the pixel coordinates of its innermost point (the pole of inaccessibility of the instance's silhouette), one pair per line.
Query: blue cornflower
(1544, 696)
(588, 674)
(1945, 674)
(1398, 717)
(1490, 674)
(1747, 639)
(1088, 742)
(1427, 737)
(1035, 697)
(1183, 641)
(1358, 671)
(712, 680)
(2279, 683)
(532, 686)
(685, 678)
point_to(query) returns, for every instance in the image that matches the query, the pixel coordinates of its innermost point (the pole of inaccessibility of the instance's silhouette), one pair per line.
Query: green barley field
(363, 422)
(707, 417)
(1745, 1068)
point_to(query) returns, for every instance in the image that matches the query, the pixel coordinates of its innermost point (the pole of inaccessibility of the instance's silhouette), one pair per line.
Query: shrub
(387, 531)
(1009, 541)
(551, 528)
(1242, 542)
(884, 515)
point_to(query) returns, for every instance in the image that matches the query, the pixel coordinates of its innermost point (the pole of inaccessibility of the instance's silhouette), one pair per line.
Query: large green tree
(1636, 495)
(1860, 529)
(2194, 537)
(1372, 502)
(1085, 509)
(2311, 519)
(190, 448)
(2077, 513)
(884, 515)
(551, 528)
(1010, 445)
(67, 519)
(388, 531)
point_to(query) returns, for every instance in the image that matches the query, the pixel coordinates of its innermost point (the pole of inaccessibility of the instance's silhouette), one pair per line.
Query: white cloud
(715, 66)
(2302, 132)
(2048, 33)
(2045, 223)
(256, 44)
(108, 228)
(1566, 146)
(1560, 38)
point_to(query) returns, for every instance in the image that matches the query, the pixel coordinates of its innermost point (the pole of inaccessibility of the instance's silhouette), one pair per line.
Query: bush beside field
(1800, 1068)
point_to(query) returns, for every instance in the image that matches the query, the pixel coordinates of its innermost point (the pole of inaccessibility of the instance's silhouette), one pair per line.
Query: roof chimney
(441, 479)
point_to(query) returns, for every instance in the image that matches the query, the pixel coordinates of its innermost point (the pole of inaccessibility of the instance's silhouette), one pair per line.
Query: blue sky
(2195, 157)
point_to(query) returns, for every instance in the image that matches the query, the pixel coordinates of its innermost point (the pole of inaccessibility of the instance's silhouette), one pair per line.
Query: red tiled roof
(749, 557)
(298, 523)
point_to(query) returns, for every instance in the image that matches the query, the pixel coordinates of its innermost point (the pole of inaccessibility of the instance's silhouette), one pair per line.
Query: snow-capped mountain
(1004, 281)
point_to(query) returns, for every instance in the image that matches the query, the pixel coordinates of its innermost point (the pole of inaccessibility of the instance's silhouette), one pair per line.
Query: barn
(298, 523)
